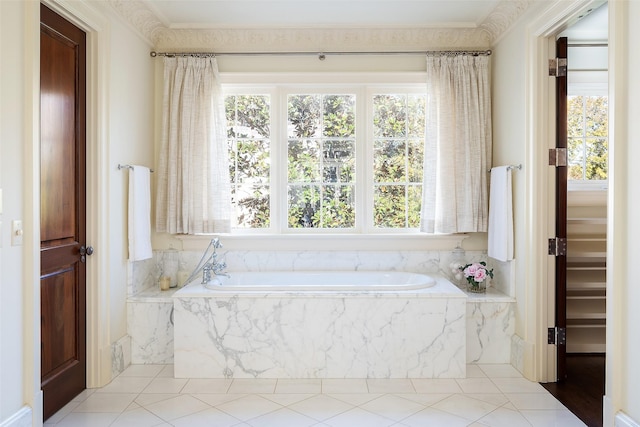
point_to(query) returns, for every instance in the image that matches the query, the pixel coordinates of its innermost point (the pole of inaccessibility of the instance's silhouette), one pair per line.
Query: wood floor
(583, 389)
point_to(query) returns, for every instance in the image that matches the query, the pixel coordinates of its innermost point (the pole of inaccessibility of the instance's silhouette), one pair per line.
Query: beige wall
(12, 388)
(122, 133)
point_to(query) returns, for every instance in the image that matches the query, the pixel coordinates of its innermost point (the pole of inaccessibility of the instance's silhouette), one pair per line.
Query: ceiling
(339, 25)
(220, 14)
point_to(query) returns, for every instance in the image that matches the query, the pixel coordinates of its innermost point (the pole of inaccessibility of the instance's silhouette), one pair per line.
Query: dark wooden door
(62, 210)
(561, 210)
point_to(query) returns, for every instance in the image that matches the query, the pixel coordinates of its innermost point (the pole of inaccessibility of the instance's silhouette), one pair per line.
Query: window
(317, 159)
(587, 137)
(398, 130)
(249, 136)
(321, 161)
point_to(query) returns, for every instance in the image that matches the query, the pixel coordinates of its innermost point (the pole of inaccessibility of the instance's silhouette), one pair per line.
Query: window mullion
(279, 166)
(364, 175)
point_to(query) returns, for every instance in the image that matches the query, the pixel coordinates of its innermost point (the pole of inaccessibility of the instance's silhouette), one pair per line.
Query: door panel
(561, 209)
(62, 210)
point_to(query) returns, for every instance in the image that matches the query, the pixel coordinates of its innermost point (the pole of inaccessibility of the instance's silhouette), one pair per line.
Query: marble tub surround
(413, 334)
(490, 325)
(150, 326)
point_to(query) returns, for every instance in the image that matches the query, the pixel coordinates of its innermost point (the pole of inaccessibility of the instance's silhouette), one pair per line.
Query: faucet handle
(216, 243)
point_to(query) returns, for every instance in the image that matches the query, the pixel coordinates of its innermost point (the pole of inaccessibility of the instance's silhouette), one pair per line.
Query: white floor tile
(126, 385)
(390, 386)
(553, 418)
(282, 417)
(497, 399)
(299, 386)
(425, 399)
(434, 417)
(148, 399)
(106, 402)
(207, 385)
(207, 418)
(64, 411)
(393, 407)
(139, 417)
(253, 385)
(359, 417)
(165, 385)
(466, 407)
(503, 417)
(477, 385)
(344, 386)
(148, 395)
(355, 399)
(177, 407)
(436, 385)
(286, 399)
(321, 407)
(518, 385)
(500, 371)
(248, 407)
(80, 419)
(524, 401)
(217, 399)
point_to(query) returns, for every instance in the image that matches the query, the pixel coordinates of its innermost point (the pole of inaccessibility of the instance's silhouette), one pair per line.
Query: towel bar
(511, 167)
(128, 167)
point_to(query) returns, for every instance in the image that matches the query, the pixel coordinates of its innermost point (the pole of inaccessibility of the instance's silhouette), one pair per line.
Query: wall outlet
(16, 232)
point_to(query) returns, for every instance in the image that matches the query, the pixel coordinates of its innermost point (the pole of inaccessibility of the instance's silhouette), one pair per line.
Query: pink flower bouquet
(476, 274)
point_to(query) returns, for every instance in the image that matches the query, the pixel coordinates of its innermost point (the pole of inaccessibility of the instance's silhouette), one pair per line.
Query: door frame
(539, 357)
(98, 346)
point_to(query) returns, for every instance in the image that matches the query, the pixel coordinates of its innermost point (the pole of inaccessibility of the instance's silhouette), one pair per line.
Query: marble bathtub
(314, 333)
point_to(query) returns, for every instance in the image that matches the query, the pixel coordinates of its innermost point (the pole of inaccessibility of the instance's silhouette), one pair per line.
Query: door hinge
(557, 336)
(557, 157)
(558, 246)
(558, 67)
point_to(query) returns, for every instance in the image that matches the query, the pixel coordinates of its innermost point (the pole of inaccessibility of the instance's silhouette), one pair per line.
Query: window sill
(321, 242)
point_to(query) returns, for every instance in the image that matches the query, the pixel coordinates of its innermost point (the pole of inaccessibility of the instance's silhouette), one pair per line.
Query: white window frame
(587, 83)
(278, 89)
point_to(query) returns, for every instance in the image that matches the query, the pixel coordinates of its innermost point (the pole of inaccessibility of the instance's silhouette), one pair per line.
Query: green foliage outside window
(321, 159)
(248, 133)
(587, 132)
(398, 129)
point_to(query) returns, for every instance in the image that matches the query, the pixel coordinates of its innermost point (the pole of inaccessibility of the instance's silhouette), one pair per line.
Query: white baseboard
(623, 420)
(22, 418)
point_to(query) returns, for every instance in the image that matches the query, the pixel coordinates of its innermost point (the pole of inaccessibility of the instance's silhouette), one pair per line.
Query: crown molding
(505, 14)
(151, 28)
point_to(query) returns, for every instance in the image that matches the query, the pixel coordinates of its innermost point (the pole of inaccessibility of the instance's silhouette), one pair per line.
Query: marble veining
(490, 326)
(298, 336)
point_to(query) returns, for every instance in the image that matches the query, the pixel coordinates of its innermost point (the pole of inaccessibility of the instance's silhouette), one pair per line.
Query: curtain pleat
(194, 191)
(457, 145)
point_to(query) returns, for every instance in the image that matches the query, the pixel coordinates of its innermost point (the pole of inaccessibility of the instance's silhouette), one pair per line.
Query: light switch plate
(16, 232)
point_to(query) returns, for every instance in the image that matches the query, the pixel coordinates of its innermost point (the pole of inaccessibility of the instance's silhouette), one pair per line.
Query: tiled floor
(148, 395)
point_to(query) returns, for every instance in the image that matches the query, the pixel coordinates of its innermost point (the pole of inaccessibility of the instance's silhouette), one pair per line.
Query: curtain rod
(322, 55)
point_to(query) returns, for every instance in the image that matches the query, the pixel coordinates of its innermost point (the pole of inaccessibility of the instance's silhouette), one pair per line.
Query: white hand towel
(139, 213)
(500, 215)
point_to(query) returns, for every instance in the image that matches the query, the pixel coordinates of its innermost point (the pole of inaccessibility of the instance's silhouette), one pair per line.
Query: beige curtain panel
(194, 192)
(457, 145)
